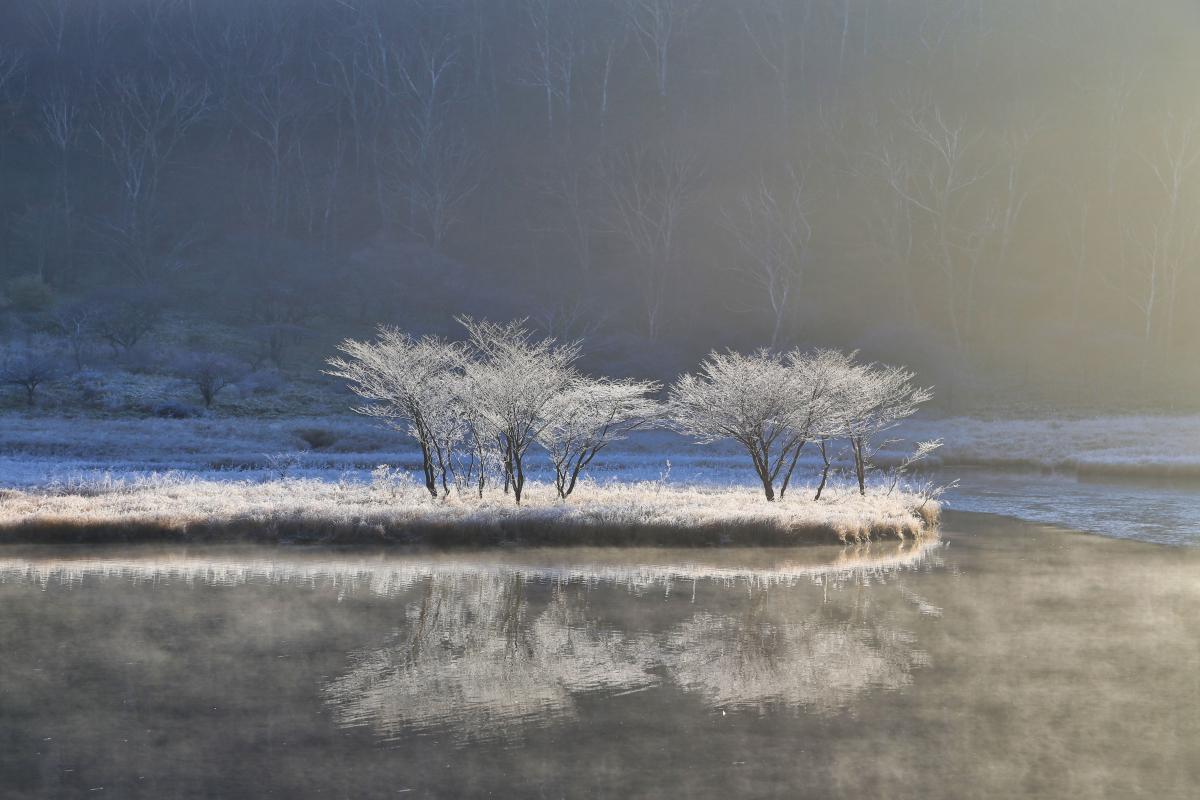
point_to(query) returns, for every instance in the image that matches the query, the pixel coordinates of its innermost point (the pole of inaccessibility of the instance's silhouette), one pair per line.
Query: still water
(1004, 660)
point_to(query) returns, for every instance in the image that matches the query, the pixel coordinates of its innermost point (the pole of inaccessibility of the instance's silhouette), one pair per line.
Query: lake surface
(1004, 660)
(1161, 511)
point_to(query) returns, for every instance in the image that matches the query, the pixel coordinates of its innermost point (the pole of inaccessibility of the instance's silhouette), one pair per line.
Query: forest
(1002, 195)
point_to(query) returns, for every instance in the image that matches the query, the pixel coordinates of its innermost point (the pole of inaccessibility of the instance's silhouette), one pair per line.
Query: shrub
(91, 387)
(209, 373)
(124, 316)
(263, 382)
(317, 438)
(29, 367)
(173, 410)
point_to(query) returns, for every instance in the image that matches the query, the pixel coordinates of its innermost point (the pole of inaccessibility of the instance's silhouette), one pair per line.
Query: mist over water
(1003, 660)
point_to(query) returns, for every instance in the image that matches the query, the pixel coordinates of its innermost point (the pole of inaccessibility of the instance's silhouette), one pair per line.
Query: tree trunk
(860, 469)
(824, 471)
(764, 474)
(767, 483)
(519, 478)
(787, 478)
(427, 468)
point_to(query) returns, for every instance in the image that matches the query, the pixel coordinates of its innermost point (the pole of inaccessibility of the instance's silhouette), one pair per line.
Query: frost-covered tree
(405, 383)
(827, 375)
(589, 416)
(757, 400)
(512, 378)
(876, 399)
(125, 315)
(29, 367)
(210, 373)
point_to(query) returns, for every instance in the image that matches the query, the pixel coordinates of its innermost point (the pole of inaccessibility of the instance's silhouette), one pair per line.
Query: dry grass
(174, 508)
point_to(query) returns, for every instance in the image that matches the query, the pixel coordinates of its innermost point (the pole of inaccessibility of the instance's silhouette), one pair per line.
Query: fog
(1004, 195)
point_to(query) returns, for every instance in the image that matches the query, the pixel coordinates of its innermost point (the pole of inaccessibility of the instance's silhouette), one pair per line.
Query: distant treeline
(1009, 190)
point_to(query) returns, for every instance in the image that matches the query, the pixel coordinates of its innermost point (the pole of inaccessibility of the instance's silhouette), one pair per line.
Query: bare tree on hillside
(651, 191)
(771, 224)
(658, 25)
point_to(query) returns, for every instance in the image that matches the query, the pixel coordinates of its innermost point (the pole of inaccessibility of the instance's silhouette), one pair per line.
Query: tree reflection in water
(473, 658)
(498, 643)
(480, 658)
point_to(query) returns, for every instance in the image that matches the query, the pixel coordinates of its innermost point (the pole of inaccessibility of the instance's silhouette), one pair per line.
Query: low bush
(317, 438)
(172, 410)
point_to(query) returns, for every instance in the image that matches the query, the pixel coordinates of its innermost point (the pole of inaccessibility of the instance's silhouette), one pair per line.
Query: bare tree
(438, 178)
(123, 316)
(29, 367)
(273, 108)
(429, 159)
(939, 176)
(12, 84)
(651, 191)
(75, 322)
(573, 190)
(62, 123)
(777, 30)
(554, 54)
(658, 25)
(210, 373)
(143, 121)
(772, 227)
(1174, 162)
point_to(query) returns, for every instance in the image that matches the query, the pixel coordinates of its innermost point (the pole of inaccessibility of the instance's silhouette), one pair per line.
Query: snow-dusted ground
(1102, 474)
(38, 450)
(35, 449)
(1143, 446)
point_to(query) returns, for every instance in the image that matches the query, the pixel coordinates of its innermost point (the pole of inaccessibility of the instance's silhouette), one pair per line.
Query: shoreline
(292, 512)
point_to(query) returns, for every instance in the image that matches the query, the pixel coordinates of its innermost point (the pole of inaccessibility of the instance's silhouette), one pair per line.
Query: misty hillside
(1003, 195)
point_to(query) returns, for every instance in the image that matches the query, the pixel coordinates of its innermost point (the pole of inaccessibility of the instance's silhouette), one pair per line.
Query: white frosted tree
(876, 398)
(828, 376)
(405, 382)
(756, 400)
(513, 377)
(589, 416)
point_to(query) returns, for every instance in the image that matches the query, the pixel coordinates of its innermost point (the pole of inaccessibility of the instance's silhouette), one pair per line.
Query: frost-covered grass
(251, 478)
(187, 508)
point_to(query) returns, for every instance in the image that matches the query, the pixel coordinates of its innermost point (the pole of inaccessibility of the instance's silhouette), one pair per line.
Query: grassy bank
(304, 510)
